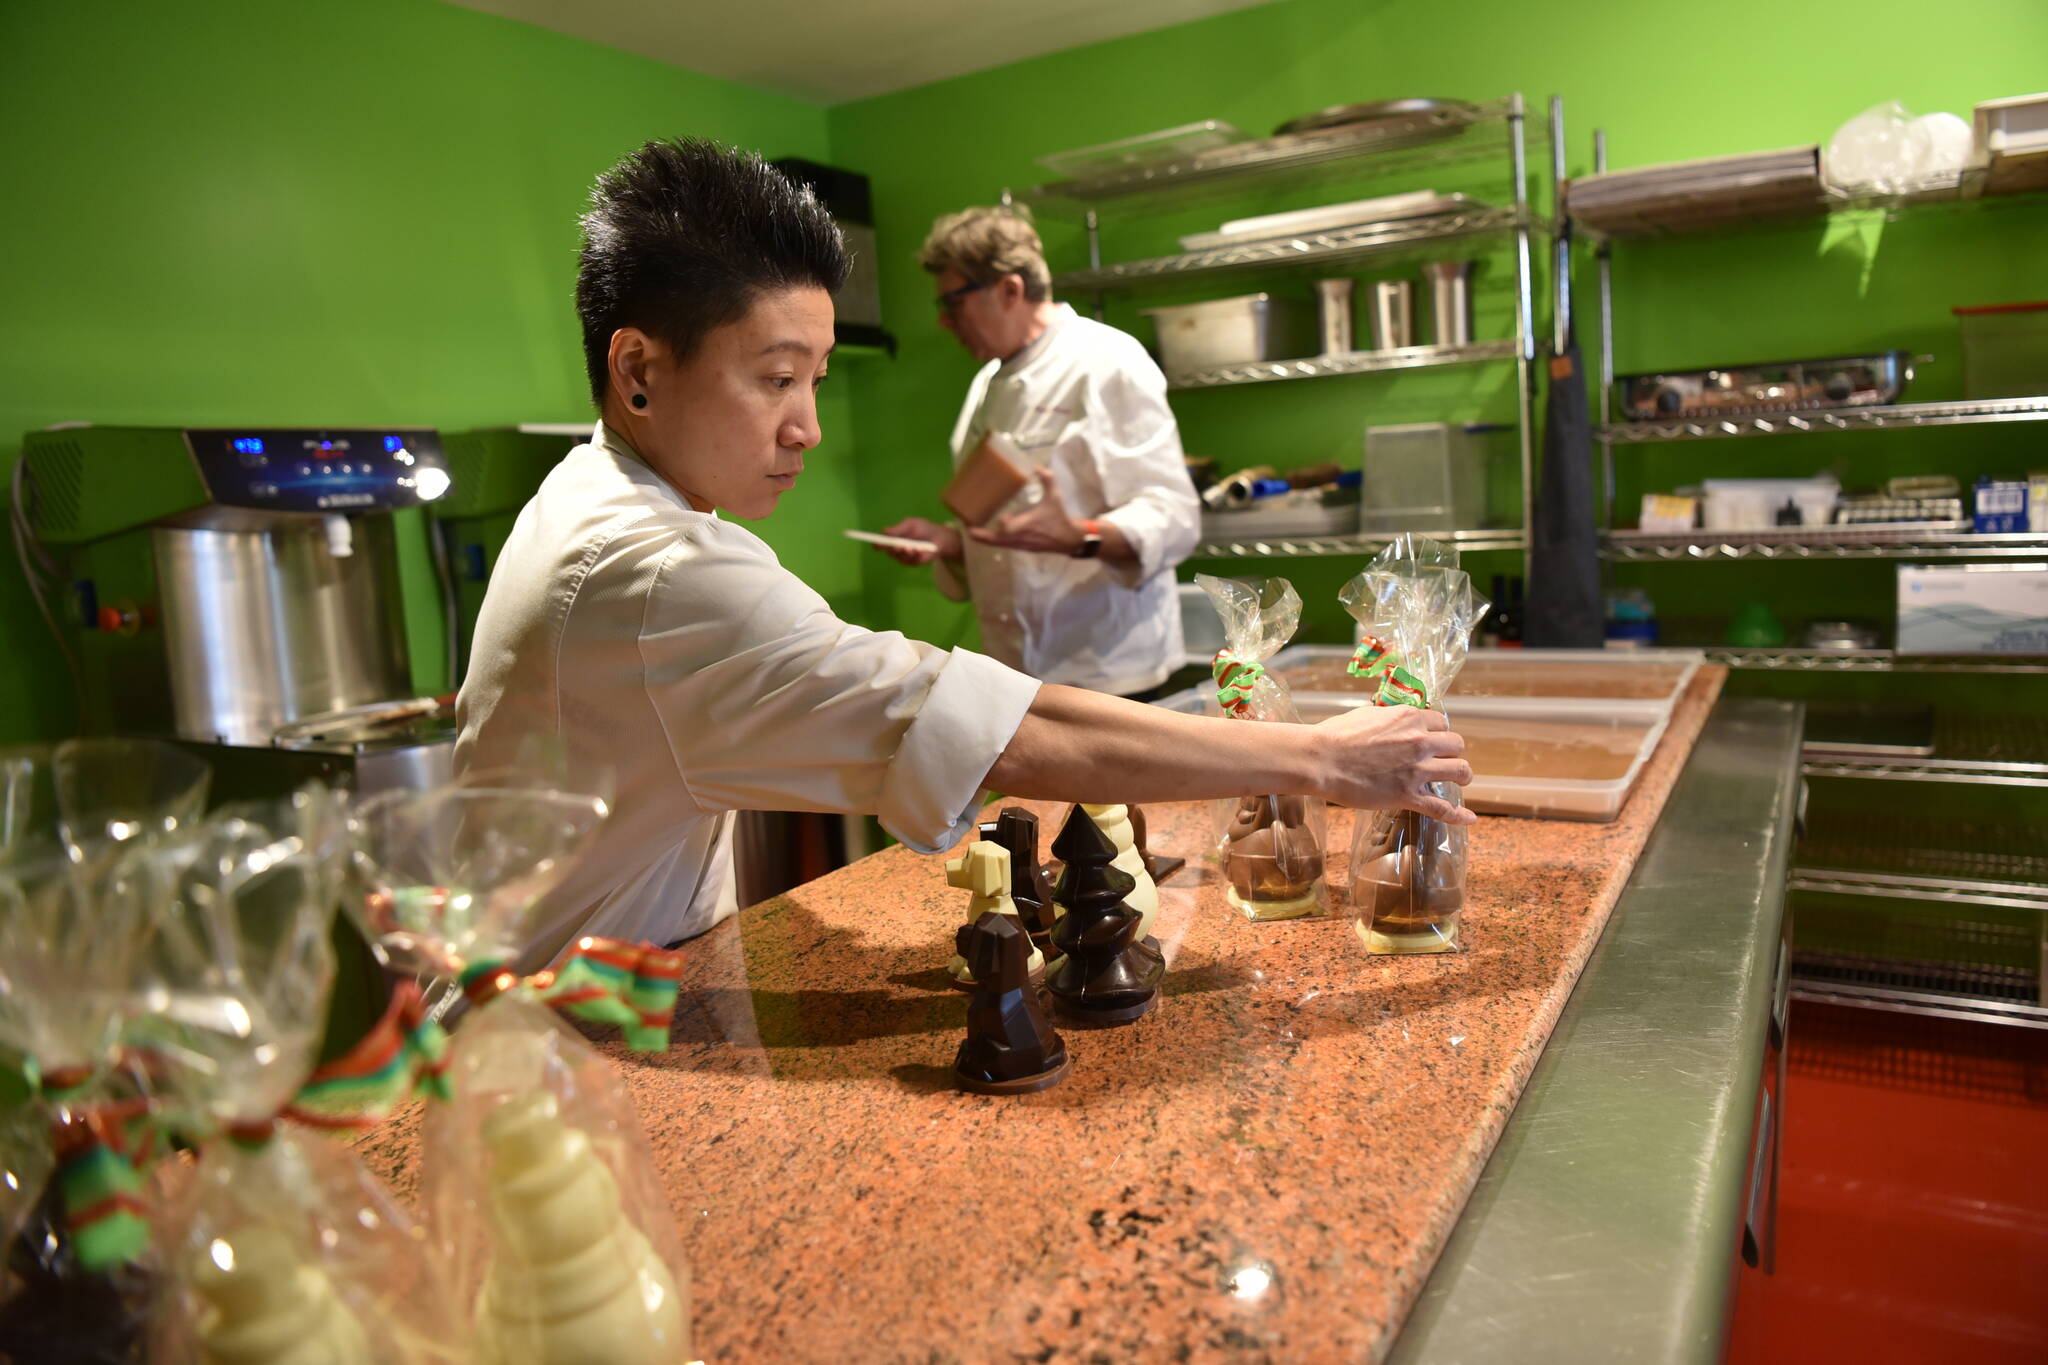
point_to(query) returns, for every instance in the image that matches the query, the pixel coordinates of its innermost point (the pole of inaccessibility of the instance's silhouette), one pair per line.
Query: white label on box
(1973, 609)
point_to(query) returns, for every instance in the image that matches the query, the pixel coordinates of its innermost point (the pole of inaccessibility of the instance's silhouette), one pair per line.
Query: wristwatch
(1091, 541)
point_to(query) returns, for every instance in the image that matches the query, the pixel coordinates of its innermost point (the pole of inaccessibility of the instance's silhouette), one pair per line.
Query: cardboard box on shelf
(1973, 609)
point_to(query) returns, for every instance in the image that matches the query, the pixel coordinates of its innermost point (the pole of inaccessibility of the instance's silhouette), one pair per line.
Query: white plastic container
(1754, 504)
(1522, 747)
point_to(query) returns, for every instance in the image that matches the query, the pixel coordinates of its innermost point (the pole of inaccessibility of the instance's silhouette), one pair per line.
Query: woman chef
(656, 642)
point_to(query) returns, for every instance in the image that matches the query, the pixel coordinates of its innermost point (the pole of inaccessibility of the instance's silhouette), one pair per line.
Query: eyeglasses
(949, 302)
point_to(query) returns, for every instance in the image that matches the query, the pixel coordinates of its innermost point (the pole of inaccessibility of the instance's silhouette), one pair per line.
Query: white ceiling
(827, 51)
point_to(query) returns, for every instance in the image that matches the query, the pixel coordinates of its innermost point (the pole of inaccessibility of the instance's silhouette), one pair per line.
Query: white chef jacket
(1086, 401)
(670, 655)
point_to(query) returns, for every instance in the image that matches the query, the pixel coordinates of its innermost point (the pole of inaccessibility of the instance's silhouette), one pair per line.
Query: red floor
(1913, 1209)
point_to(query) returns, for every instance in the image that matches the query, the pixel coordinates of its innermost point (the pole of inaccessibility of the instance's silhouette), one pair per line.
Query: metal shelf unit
(1889, 417)
(1941, 540)
(2010, 752)
(1872, 661)
(1353, 362)
(1303, 547)
(1498, 131)
(1975, 949)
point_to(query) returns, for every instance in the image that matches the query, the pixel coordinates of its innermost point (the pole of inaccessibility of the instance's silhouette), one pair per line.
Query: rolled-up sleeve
(770, 702)
(1135, 444)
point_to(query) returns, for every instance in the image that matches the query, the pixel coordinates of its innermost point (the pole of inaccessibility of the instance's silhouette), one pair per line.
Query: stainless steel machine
(245, 590)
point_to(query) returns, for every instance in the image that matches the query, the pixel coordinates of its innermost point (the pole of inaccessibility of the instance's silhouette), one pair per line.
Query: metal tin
(1333, 315)
(1840, 635)
(1393, 315)
(1450, 300)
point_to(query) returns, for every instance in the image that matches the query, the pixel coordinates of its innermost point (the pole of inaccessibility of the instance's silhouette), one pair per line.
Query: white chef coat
(1086, 401)
(670, 655)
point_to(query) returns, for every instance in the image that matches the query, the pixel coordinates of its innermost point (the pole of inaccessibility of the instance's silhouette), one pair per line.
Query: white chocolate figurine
(264, 1305)
(1115, 821)
(984, 869)
(572, 1281)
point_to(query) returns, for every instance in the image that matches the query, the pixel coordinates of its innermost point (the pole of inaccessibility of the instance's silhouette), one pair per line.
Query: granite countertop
(1265, 1167)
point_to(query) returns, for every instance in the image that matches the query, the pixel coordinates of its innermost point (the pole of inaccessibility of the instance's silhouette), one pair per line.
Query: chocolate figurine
(1272, 858)
(984, 869)
(1010, 1049)
(1016, 829)
(1408, 881)
(1105, 976)
(1160, 865)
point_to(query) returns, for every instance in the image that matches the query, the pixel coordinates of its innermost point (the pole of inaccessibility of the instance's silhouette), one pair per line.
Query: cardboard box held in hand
(991, 474)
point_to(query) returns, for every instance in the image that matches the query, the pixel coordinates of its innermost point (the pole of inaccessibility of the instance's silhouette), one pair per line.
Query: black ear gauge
(639, 400)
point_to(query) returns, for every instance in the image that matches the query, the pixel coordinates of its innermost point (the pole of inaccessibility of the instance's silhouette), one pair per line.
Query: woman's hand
(943, 540)
(1385, 757)
(1043, 528)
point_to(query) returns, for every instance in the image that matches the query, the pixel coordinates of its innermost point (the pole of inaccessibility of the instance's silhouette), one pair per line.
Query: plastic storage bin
(2005, 350)
(1201, 629)
(1423, 476)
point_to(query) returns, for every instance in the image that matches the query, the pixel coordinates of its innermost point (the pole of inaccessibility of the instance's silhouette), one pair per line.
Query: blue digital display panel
(248, 445)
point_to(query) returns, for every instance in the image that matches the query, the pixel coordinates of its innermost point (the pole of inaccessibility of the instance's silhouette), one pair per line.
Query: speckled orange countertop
(1264, 1168)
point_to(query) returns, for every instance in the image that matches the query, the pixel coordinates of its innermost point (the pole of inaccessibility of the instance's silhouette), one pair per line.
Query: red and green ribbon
(629, 986)
(1235, 679)
(101, 1149)
(403, 1055)
(1376, 660)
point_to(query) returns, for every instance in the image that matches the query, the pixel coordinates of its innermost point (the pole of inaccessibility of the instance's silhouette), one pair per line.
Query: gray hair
(985, 244)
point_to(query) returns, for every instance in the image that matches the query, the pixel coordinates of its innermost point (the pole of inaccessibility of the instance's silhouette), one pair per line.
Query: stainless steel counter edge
(1606, 1224)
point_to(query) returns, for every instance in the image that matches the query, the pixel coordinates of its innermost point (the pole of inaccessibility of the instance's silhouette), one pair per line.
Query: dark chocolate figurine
(1160, 865)
(1017, 830)
(1106, 976)
(1010, 1049)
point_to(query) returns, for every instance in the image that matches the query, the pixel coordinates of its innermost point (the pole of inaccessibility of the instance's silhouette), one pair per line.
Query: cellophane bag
(78, 1277)
(281, 1249)
(1416, 611)
(1270, 847)
(276, 1245)
(544, 1201)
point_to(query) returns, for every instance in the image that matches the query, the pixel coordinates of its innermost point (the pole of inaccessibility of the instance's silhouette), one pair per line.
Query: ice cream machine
(246, 589)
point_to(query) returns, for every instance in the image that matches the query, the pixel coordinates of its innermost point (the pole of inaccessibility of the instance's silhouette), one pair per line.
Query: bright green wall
(228, 211)
(1668, 84)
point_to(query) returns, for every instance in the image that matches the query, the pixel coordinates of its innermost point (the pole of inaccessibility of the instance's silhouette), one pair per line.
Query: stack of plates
(1690, 194)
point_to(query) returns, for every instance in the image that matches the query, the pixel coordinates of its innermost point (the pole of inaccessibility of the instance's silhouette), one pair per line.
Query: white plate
(888, 542)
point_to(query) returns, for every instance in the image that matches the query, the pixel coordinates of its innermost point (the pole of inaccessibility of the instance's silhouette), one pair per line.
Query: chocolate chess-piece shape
(1160, 865)
(1016, 829)
(1408, 879)
(1272, 859)
(1143, 897)
(984, 869)
(1010, 1049)
(1105, 975)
